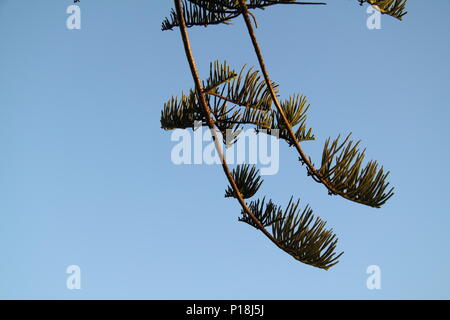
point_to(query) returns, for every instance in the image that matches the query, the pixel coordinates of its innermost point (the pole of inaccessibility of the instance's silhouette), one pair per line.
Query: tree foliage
(213, 12)
(394, 8)
(228, 101)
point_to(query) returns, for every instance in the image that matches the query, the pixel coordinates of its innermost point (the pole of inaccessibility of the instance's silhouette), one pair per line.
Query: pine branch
(219, 73)
(226, 120)
(295, 111)
(213, 12)
(262, 4)
(247, 180)
(267, 215)
(302, 236)
(246, 89)
(181, 113)
(251, 95)
(200, 13)
(394, 8)
(350, 192)
(250, 91)
(261, 119)
(342, 169)
(282, 230)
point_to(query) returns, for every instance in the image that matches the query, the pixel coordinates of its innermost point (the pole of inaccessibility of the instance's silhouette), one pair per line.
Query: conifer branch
(247, 180)
(295, 245)
(252, 95)
(352, 188)
(181, 113)
(393, 8)
(248, 90)
(306, 238)
(213, 12)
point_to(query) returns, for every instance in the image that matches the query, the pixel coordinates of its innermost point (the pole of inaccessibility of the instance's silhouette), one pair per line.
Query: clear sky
(86, 177)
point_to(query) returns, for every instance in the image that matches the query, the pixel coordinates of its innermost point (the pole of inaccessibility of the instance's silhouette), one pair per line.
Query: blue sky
(86, 177)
